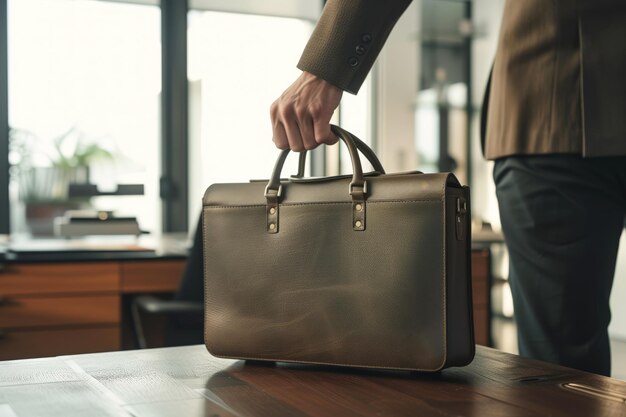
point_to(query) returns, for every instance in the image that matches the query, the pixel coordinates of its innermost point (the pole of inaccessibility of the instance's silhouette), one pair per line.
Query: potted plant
(43, 171)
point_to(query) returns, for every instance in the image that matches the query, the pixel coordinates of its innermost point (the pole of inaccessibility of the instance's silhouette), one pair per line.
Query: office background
(174, 95)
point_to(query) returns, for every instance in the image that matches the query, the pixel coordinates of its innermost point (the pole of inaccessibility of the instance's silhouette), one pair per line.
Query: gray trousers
(562, 217)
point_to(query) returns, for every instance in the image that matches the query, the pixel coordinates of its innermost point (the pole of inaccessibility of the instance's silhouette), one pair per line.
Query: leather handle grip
(365, 150)
(273, 187)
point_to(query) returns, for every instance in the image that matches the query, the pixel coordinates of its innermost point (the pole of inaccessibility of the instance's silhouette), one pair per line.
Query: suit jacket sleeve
(347, 39)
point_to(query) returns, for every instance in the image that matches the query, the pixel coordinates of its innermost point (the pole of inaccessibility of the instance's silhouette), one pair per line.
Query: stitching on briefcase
(322, 203)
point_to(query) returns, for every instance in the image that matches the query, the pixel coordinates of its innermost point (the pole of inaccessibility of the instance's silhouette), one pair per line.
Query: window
(85, 100)
(238, 64)
(84, 96)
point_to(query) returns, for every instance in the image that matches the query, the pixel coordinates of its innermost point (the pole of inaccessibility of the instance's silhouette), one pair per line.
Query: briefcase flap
(400, 186)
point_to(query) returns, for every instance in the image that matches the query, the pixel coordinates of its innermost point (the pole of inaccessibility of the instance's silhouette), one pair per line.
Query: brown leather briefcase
(363, 270)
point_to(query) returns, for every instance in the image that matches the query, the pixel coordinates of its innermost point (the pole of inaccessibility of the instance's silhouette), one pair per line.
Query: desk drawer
(151, 276)
(59, 278)
(20, 344)
(481, 292)
(19, 312)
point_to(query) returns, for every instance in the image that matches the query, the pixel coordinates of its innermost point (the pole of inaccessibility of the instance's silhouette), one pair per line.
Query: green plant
(73, 150)
(44, 169)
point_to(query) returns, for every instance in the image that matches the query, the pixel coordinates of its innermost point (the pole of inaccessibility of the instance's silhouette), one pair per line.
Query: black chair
(184, 312)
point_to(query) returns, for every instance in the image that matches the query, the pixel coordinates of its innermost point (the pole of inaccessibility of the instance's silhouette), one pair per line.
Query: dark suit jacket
(558, 82)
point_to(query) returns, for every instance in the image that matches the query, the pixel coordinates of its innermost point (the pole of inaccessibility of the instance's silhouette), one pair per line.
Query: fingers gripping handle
(360, 145)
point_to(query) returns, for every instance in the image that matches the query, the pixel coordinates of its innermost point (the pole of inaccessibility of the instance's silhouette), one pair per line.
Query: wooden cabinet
(150, 276)
(59, 278)
(53, 341)
(60, 308)
(70, 310)
(481, 288)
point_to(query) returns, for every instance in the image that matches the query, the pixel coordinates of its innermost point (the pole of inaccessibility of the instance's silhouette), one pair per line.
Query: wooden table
(188, 382)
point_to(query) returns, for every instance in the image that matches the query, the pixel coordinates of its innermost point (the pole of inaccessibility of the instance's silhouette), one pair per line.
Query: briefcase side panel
(459, 309)
(320, 292)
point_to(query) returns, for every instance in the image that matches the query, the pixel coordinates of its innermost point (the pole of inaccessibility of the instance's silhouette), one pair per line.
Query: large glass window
(84, 95)
(238, 65)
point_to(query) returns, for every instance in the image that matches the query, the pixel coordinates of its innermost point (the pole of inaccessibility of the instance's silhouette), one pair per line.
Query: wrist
(310, 77)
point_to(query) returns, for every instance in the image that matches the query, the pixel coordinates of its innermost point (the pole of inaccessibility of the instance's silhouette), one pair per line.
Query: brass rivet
(358, 223)
(272, 226)
(272, 210)
(359, 207)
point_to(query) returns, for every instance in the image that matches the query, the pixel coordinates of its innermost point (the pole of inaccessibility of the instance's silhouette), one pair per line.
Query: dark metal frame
(469, 109)
(4, 122)
(174, 181)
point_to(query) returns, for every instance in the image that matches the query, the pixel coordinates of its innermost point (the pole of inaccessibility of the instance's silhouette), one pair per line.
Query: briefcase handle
(358, 181)
(357, 187)
(367, 152)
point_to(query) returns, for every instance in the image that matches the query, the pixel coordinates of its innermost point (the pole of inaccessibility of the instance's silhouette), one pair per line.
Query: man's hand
(301, 115)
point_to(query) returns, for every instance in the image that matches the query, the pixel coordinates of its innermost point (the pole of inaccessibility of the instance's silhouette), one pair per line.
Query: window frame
(174, 181)
(5, 216)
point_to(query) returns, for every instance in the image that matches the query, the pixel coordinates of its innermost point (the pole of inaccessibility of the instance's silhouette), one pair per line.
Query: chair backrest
(188, 328)
(191, 286)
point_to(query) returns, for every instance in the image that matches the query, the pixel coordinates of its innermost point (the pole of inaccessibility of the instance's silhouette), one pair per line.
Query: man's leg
(562, 217)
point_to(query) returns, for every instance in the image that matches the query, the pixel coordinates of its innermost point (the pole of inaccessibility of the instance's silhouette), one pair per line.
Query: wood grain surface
(481, 295)
(20, 312)
(16, 344)
(151, 276)
(187, 381)
(58, 278)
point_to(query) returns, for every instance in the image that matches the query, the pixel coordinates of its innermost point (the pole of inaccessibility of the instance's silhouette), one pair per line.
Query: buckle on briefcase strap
(352, 186)
(277, 193)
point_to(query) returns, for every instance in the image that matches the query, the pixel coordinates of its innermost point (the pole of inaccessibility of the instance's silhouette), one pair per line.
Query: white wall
(618, 296)
(396, 86)
(486, 20)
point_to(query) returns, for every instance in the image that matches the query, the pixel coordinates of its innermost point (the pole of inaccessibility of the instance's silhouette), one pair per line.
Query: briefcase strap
(360, 145)
(357, 188)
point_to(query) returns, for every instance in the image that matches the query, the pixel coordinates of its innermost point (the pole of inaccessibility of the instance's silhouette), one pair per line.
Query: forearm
(347, 39)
